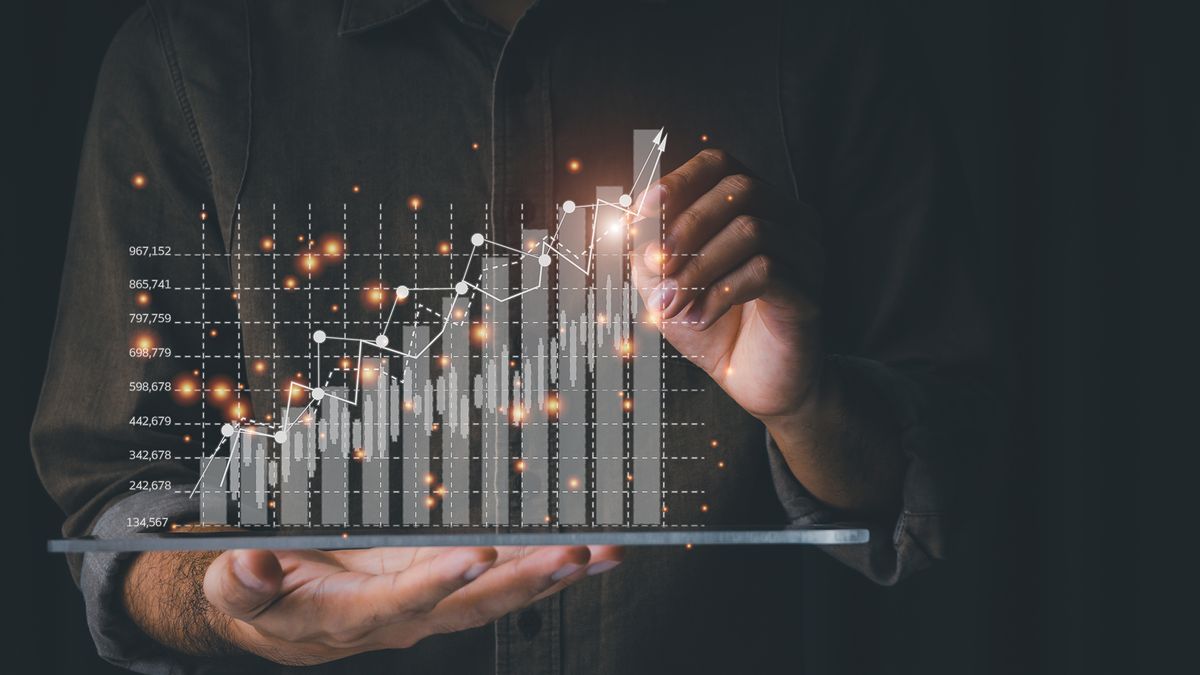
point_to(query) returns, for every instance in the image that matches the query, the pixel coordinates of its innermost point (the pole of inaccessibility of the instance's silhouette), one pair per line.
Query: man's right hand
(308, 607)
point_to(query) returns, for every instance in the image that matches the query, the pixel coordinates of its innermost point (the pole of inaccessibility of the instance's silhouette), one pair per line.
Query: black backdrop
(1077, 127)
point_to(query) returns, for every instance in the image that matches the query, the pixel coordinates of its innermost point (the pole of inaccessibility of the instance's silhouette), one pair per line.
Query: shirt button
(529, 622)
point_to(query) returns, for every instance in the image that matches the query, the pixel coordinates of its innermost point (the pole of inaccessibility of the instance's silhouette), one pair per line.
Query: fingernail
(654, 198)
(475, 570)
(246, 577)
(663, 294)
(656, 255)
(601, 567)
(565, 571)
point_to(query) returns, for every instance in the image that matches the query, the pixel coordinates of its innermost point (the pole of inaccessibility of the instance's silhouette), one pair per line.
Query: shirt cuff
(118, 639)
(917, 535)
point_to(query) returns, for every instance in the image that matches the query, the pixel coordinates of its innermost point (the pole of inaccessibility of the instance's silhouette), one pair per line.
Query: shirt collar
(362, 15)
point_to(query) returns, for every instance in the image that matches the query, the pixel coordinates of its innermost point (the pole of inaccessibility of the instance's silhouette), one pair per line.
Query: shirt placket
(527, 641)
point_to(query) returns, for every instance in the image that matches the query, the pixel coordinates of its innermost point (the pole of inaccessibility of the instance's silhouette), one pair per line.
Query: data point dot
(461, 288)
(477, 239)
(568, 206)
(318, 336)
(381, 340)
(281, 437)
(226, 429)
(625, 200)
(544, 260)
(402, 292)
(318, 394)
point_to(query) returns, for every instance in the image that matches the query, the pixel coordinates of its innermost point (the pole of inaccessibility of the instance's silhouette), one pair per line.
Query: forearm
(163, 592)
(842, 444)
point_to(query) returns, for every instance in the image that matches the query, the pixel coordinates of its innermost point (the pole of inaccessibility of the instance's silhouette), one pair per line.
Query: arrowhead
(662, 146)
(657, 137)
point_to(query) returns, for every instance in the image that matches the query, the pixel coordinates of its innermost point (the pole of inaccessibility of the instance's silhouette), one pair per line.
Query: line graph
(534, 427)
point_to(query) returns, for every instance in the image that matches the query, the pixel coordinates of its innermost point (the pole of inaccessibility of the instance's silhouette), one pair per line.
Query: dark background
(1077, 126)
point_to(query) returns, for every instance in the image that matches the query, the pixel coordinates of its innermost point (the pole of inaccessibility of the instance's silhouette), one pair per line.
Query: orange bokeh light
(574, 165)
(185, 390)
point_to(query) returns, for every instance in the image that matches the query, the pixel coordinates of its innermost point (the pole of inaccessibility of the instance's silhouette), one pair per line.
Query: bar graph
(525, 390)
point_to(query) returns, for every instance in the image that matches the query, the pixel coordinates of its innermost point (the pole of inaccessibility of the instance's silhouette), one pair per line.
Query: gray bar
(456, 418)
(572, 369)
(252, 498)
(535, 431)
(293, 491)
(335, 454)
(647, 367)
(415, 427)
(494, 280)
(214, 507)
(374, 423)
(610, 366)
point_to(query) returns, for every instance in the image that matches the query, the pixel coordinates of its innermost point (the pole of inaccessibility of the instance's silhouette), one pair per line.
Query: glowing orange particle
(520, 465)
(220, 388)
(375, 294)
(290, 282)
(356, 189)
(184, 389)
(204, 215)
(713, 442)
(721, 464)
(212, 332)
(260, 366)
(309, 263)
(267, 244)
(573, 483)
(415, 202)
(331, 247)
(574, 165)
(142, 299)
(704, 508)
(429, 479)
(187, 438)
(444, 247)
(703, 138)
(333, 308)
(138, 180)
(430, 502)
(474, 146)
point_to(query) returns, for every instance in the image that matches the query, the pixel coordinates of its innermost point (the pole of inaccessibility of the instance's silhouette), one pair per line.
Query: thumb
(243, 583)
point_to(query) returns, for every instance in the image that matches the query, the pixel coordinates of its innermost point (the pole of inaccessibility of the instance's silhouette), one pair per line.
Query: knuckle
(685, 223)
(763, 267)
(714, 156)
(738, 183)
(748, 227)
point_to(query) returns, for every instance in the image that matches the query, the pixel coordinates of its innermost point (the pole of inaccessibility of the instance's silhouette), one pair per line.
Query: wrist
(164, 596)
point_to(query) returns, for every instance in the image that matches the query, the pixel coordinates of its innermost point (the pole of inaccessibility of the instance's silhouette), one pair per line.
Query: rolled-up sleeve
(937, 443)
(101, 578)
(141, 172)
(904, 304)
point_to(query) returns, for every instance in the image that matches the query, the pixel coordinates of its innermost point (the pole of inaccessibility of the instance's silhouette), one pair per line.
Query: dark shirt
(233, 107)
